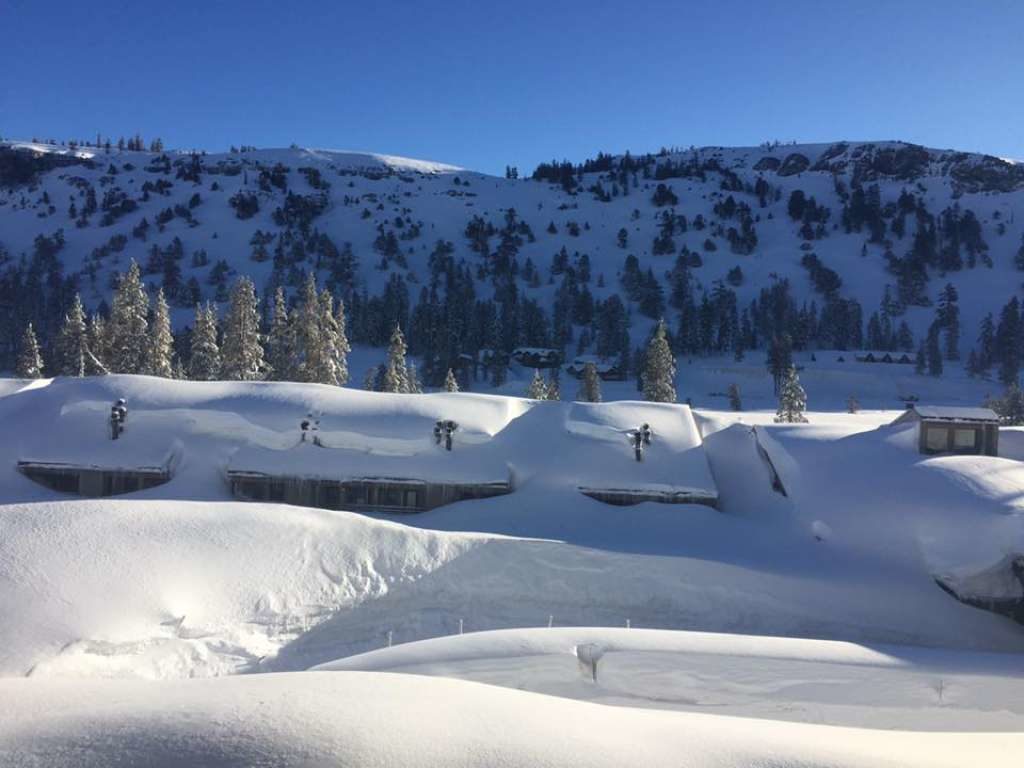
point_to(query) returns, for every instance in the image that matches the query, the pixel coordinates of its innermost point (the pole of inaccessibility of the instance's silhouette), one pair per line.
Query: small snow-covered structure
(954, 429)
(338, 478)
(103, 468)
(537, 357)
(674, 469)
(608, 370)
(882, 356)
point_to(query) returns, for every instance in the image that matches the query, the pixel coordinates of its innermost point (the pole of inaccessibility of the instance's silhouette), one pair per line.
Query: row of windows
(335, 495)
(940, 439)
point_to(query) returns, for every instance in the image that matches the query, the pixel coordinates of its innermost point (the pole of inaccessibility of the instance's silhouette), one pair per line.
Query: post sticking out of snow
(444, 429)
(389, 638)
(460, 626)
(627, 623)
(118, 415)
(551, 620)
(640, 438)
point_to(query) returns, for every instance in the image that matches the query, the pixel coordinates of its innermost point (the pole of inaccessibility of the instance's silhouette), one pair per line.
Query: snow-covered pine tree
(659, 368)
(396, 374)
(127, 327)
(307, 343)
(590, 385)
(538, 389)
(279, 341)
(792, 399)
(30, 362)
(204, 363)
(328, 370)
(160, 349)
(73, 342)
(342, 347)
(242, 352)
(415, 386)
(450, 383)
(98, 338)
(1010, 406)
(554, 385)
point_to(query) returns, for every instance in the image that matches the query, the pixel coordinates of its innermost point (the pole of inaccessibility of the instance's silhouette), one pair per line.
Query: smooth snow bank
(816, 681)
(360, 719)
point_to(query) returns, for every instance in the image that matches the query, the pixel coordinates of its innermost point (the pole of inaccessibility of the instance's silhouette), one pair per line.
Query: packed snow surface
(182, 581)
(359, 719)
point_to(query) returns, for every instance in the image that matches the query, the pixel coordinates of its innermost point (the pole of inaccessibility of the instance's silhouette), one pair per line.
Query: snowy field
(804, 629)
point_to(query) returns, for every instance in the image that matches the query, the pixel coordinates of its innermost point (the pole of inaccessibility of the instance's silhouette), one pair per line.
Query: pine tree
(415, 386)
(1010, 406)
(396, 374)
(128, 325)
(554, 386)
(734, 397)
(659, 368)
(204, 363)
(160, 349)
(307, 344)
(590, 385)
(538, 389)
(450, 384)
(341, 346)
(792, 400)
(279, 341)
(98, 346)
(30, 362)
(73, 342)
(920, 360)
(242, 353)
(933, 352)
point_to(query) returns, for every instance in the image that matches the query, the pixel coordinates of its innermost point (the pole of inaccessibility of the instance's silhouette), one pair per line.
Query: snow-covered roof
(956, 413)
(601, 455)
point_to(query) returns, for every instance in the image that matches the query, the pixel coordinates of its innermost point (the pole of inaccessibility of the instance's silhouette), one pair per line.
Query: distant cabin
(876, 356)
(537, 357)
(954, 430)
(607, 370)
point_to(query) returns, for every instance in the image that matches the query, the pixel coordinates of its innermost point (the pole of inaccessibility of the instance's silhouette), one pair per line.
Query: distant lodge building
(881, 356)
(607, 370)
(954, 430)
(334, 478)
(537, 357)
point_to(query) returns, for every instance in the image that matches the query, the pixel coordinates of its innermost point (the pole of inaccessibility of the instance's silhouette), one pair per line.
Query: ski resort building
(673, 469)
(954, 430)
(335, 478)
(109, 469)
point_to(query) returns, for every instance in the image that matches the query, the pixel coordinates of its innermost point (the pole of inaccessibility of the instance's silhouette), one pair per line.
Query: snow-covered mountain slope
(393, 211)
(183, 580)
(353, 718)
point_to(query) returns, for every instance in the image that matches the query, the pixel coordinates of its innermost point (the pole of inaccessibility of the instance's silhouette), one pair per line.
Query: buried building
(344, 479)
(956, 430)
(110, 468)
(669, 467)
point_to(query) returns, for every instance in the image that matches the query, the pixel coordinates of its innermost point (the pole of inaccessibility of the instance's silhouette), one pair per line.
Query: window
(936, 438)
(965, 439)
(411, 499)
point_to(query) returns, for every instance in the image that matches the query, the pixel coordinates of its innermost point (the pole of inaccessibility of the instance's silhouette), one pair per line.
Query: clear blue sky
(483, 84)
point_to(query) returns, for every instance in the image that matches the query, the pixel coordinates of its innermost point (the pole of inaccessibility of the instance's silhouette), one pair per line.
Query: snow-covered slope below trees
(890, 224)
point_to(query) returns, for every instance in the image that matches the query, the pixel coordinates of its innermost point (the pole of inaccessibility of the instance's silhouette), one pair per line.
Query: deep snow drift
(181, 581)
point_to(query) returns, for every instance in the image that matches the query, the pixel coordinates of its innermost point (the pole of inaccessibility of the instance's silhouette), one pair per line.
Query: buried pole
(460, 626)
(389, 638)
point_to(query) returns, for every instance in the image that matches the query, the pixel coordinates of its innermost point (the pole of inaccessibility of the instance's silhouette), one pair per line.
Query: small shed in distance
(954, 430)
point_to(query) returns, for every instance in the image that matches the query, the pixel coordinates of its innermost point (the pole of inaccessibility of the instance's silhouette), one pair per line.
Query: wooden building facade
(365, 494)
(94, 481)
